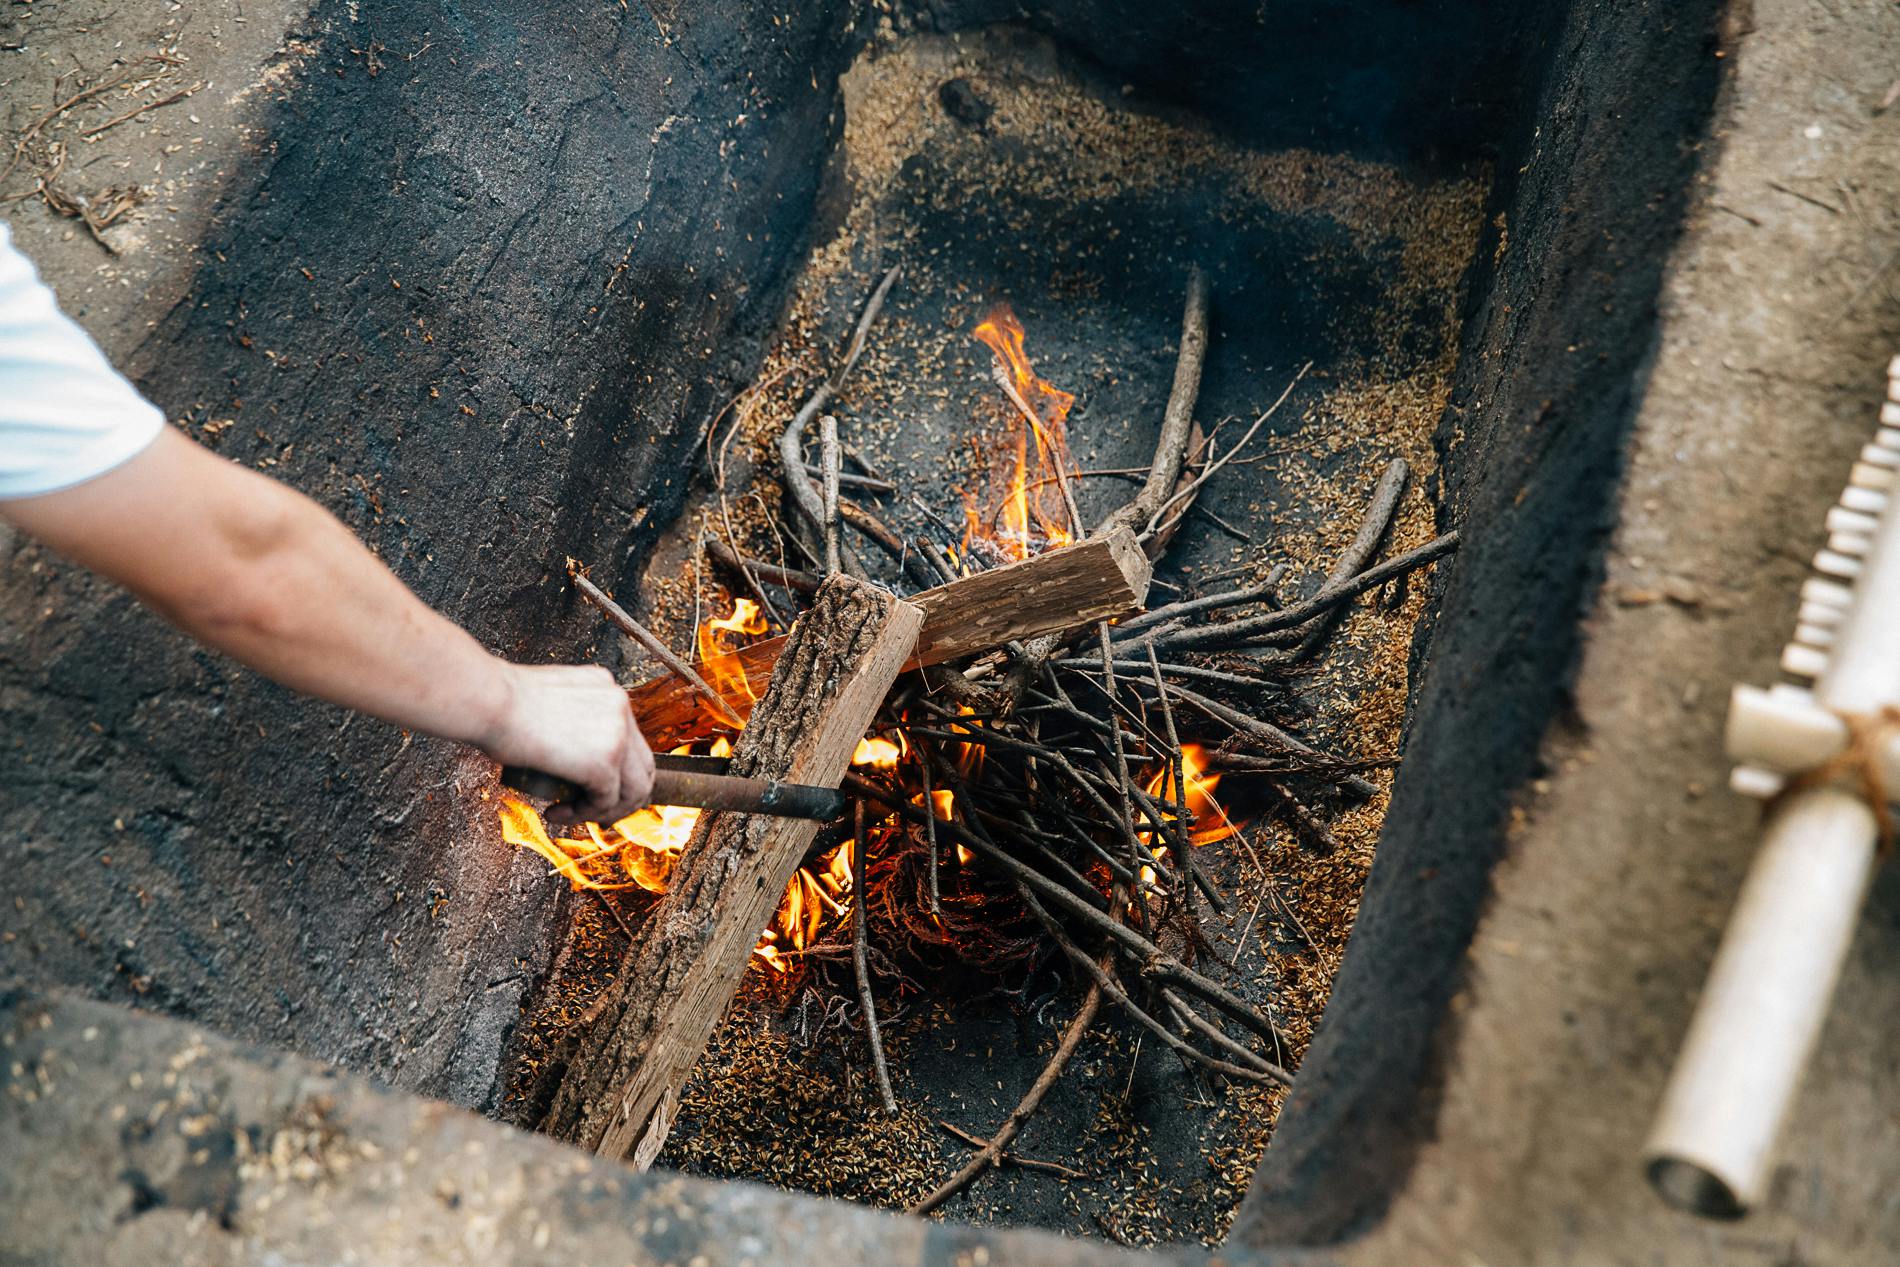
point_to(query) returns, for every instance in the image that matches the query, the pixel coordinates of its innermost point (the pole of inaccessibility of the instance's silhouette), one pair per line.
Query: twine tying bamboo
(1860, 764)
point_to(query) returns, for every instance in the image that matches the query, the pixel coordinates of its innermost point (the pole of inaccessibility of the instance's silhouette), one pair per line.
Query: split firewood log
(829, 678)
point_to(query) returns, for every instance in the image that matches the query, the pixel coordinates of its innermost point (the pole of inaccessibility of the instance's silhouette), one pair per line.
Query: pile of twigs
(1062, 759)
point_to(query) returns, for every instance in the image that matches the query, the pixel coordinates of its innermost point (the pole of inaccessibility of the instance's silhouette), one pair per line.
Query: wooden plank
(623, 1078)
(1105, 578)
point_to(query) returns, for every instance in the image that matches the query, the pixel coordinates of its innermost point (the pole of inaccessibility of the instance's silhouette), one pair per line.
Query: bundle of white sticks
(1823, 751)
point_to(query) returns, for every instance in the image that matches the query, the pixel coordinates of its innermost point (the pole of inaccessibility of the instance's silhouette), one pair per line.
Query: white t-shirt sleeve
(66, 415)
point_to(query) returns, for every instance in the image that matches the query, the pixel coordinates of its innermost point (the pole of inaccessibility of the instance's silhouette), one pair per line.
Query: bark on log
(1177, 419)
(1103, 578)
(623, 1080)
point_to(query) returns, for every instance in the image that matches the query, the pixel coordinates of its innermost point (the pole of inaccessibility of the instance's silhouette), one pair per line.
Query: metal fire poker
(702, 783)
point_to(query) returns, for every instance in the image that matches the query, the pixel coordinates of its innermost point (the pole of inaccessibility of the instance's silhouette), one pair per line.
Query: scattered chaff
(1020, 827)
(992, 1152)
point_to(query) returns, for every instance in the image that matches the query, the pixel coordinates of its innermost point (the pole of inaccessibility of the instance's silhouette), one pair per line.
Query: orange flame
(640, 850)
(879, 754)
(943, 805)
(1210, 821)
(521, 826)
(815, 894)
(719, 641)
(1031, 514)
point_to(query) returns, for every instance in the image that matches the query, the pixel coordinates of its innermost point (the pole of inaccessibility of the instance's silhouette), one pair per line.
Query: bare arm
(263, 573)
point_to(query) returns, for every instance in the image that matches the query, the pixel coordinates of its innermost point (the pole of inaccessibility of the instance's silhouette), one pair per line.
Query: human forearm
(267, 576)
(283, 587)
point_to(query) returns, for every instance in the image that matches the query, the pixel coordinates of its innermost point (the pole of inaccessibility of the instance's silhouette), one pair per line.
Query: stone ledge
(131, 1138)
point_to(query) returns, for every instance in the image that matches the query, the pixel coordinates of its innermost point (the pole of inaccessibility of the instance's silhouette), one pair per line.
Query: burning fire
(719, 642)
(639, 850)
(1209, 821)
(879, 754)
(1029, 512)
(814, 895)
(1026, 509)
(943, 805)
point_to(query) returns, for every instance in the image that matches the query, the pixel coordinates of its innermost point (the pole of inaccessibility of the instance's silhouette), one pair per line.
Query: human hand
(572, 721)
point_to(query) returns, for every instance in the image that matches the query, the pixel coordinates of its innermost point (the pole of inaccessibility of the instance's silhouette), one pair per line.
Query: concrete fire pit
(477, 281)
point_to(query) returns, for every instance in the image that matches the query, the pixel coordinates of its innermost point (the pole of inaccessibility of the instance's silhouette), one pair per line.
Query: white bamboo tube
(1769, 989)
(1763, 1005)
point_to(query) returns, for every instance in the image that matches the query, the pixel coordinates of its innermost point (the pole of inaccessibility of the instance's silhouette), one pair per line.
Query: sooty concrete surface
(1777, 317)
(131, 1139)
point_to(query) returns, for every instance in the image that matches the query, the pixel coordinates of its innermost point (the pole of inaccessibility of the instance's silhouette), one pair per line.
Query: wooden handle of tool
(675, 786)
(537, 785)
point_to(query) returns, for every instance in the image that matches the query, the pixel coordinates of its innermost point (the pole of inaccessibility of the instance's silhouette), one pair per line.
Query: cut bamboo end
(1761, 1011)
(1773, 978)
(1867, 475)
(1865, 500)
(1835, 564)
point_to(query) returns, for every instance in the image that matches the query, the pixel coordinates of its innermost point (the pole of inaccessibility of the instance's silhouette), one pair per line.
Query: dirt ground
(235, 55)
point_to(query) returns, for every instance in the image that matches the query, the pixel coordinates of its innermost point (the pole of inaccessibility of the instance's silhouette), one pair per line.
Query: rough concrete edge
(132, 1137)
(1368, 1094)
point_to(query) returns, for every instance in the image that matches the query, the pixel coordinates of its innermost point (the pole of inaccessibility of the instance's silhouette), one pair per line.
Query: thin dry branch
(1014, 1159)
(930, 837)
(645, 637)
(992, 1151)
(1188, 493)
(1178, 418)
(31, 131)
(1268, 733)
(861, 334)
(1258, 628)
(769, 573)
(805, 494)
(1365, 543)
(829, 462)
(860, 958)
(136, 111)
(1265, 591)
(1001, 377)
(1214, 1034)
(1104, 979)
(851, 479)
